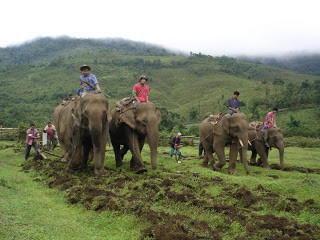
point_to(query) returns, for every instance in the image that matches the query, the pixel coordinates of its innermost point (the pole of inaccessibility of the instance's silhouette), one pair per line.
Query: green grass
(31, 210)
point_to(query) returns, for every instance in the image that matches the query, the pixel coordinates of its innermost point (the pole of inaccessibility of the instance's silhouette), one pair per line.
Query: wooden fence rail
(9, 133)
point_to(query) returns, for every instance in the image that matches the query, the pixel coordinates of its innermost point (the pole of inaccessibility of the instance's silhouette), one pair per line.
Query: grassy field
(41, 200)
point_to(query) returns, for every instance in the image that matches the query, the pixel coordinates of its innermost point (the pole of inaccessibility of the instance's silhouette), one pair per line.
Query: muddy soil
(298, 169)
(139, 194)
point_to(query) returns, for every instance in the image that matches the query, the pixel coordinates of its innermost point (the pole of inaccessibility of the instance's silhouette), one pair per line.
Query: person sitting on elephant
(269, 122)
(233, 103)
(175, 145)
(90, 82)
(80, 90)
(141, 90)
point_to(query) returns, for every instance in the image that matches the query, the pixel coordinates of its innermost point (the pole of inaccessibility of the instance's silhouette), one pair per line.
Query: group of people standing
(32, 135)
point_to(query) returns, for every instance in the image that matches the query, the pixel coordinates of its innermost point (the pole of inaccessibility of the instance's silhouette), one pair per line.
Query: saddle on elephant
(214, 119)
(124, 103)
(256, 125)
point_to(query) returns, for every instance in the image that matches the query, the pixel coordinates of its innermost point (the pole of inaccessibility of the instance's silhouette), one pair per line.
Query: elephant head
(91, 125)
(145, 119)
(236, 125)
(275, 139)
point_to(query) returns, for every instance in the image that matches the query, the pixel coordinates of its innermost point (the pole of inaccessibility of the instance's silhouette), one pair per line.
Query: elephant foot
(132, 165)
(141, 170)
(204, 164)
(99, 172)
(232, 171)
(259, 162)
(266, 166)
(215, 167)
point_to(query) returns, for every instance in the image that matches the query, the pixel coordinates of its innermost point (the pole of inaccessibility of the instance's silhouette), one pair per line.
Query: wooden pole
(53, 154)
(41, 154)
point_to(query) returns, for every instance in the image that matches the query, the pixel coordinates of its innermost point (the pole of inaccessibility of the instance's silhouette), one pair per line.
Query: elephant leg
(264, 158)
(124, 151)
(86, 151)
(233, 158)
(253, 157)
(117, 155)
(219, 149)
(207, 154)
(64, 152)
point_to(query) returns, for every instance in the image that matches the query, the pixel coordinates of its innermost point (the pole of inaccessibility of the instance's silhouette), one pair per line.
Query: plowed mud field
(185, 204)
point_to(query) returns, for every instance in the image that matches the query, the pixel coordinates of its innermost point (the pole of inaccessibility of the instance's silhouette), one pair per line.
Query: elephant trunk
(281, 154)
(96, 132)
(152, 135)
(243, 152)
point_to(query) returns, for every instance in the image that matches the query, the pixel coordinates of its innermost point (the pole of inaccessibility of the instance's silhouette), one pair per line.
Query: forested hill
(45, 49)
(301, 63)
(34, 78)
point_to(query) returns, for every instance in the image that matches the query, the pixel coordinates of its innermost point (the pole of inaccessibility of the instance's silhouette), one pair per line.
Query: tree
(193, 114)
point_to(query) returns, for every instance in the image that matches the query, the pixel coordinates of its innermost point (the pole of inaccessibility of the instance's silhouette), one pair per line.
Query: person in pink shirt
(141, 90)
(31, 140)
(269, 122)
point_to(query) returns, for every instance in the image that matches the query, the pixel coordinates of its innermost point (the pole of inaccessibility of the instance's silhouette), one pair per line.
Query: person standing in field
(269, 122)
(140, 91)
(175, 145)
(233, 103)
(89, 81)
(51, 135)
(32, 135)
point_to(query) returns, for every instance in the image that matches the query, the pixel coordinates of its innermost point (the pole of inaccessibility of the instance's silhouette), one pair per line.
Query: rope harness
(256, 126)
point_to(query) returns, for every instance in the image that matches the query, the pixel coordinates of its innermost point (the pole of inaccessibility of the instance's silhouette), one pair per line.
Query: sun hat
(143, 77)
(85, 66)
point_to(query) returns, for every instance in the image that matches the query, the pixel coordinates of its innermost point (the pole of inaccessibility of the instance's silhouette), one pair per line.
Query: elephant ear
(109, 116)
(76, 113)
(129, 118)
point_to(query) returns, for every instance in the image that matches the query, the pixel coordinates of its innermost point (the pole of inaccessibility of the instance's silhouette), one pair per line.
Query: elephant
(129, 127)
(82, 126)
(220, 130)
(274, 139)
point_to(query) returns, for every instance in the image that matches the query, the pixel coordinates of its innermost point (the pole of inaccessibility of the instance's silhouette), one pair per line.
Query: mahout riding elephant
(129, 127)
(220, 130)
(274, 139)
(82, 126)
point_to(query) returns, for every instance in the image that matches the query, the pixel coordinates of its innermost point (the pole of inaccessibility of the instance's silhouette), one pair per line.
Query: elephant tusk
(240, 142)
(249, 143)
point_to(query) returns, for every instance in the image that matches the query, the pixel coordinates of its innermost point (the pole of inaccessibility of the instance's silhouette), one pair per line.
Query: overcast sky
(212, 27)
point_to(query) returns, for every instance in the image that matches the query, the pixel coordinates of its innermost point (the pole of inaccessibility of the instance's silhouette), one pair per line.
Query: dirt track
(118, 191)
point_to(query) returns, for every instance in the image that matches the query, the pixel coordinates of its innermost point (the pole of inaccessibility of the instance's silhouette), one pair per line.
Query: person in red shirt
(32, 135)
(141, 90)
(51, 135)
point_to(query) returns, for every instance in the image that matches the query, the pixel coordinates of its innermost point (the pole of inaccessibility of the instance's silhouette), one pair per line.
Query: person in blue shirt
(90, 82)
(80, 90)
(233, 103)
